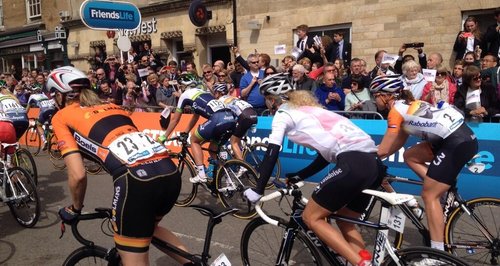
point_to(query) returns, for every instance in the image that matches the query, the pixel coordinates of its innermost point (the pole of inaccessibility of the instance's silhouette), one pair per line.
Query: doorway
(220, 53)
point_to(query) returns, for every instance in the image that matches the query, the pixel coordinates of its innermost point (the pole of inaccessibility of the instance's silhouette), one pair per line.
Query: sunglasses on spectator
(222, 76)
(2, 77)
(207, 72)
(330, 70)
(477, 78)
(99, 74)
(442, 74)
(254, 62)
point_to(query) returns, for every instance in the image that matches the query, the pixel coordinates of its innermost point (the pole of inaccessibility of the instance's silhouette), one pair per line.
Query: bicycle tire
(230, 190)
(92, 167)
(423, 256)
(464, 239)
(33, 140)
(55, 155)
(95, 255)
(188, 190)
(25, 189)
(260, 244)
(24, 159)
(254, 156)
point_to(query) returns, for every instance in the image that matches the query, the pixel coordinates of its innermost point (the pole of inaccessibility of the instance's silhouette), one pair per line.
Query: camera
(414, 45)
(137, 89)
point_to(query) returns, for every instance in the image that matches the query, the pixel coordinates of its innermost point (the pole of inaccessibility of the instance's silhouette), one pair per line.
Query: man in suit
(340, 49)
(492, 36)
(305, 44)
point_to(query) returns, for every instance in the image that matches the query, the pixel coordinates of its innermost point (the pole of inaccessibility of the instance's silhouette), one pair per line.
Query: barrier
(294, 157)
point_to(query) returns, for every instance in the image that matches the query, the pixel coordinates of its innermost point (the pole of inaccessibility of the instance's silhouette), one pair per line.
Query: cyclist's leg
(246, 120)
(350, 231)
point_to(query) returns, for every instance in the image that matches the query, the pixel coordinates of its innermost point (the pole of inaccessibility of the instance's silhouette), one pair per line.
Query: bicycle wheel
(188, 189)
(423, 256)
(231, 182)
(23, 201)
(465, 240)
(95, 255)
(254, 156)
(33, 140)
(55, 154)
(25, 160)
(92, 167)
(261, 242)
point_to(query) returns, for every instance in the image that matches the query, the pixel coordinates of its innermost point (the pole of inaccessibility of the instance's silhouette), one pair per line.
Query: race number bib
(47, 103)
(450, 119)
(136, 146)
(242, 105)
(216, 105)
(10, 105)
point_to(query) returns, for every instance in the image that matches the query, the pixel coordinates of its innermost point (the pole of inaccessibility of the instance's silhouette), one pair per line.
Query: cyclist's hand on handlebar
(69, 214)
(251, 195)
(292, 178)
(184, 135)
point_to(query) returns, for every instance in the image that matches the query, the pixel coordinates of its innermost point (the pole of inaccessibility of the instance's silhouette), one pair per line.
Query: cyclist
(217, 129)
(146, 182)
(10, 105)
(7, 135)
(448, 144)
(302, 119)
(247, 117)
(47, 109)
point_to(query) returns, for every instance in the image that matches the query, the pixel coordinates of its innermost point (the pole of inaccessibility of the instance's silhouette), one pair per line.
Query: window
(1, 12)
(34, 9)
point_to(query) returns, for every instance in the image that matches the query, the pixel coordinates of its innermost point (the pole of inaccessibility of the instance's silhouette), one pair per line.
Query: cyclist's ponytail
(88, 98)
(302, 98)
(407, 96)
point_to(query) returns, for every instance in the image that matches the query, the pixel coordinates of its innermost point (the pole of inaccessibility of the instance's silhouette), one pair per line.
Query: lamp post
(235, 30)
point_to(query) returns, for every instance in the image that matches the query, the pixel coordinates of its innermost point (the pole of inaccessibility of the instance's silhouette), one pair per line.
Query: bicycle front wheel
(260, 245)
(23, 199)
(423, 256)
(25, 160)
(188, 189)
(33, 140)
(464, 238)
(233, 177)
(254, 156)
(95, 255)
(55, 153)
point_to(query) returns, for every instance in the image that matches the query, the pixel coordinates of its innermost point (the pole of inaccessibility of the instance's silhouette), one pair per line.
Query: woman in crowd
(440, 90)
(209, 79)
(412, 79)
(468, 39)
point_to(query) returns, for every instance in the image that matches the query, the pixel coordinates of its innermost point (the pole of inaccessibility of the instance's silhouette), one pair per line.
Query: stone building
(370, 25)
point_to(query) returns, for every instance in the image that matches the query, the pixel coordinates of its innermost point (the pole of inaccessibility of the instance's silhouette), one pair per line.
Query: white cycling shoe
(198, 179)
(241, 172)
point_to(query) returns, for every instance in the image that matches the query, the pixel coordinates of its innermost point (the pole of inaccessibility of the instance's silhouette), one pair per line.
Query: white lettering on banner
(84, 143)
(146, 27)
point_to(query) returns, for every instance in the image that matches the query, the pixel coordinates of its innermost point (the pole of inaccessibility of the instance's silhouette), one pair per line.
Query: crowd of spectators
(325, 66)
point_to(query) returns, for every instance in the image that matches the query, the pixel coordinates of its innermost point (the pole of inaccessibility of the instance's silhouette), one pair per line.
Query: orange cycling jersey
(106, 133)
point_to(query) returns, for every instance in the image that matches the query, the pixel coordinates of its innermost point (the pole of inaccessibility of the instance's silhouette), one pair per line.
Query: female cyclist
(448, 143)
(146, 183)
(337, 140)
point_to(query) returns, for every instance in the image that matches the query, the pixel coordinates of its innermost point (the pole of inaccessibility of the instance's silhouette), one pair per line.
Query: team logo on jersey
(439, 158)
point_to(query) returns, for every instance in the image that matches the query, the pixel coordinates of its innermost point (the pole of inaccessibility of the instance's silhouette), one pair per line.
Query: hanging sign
(110, 15)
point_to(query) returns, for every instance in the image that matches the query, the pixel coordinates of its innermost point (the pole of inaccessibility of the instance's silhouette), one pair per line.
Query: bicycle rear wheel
(92, 167)
(24, 203)
(231, 182)
(33, 140)
(465, 240)
(188, 189)
(95, 255)
(254, 156)
(423, 256)
(55, 153)
(260, 245)
(25, 160)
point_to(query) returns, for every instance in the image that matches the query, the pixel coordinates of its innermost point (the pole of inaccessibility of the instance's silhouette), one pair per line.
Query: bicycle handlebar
(101, 213)
(276, 194)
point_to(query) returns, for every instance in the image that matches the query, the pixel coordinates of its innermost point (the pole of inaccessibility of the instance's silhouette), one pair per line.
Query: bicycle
(18, 191)
(227, 182)
(23, 158)
(33, 138)
(94, 254)
(269, 239)
(254, 155)
(470, 231)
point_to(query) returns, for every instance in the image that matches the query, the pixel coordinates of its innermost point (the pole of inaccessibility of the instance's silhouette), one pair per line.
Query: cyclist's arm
(192, 122)
(317, 165)
(176, 117)
(77, 179)
(391, 143)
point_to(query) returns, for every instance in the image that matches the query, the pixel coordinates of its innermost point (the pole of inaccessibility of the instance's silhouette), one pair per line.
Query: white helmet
(276, 84)
(63, 79)
(387, 84)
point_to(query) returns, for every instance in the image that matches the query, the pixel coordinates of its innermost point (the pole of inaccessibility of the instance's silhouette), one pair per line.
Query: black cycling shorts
(20, 126)
(246, 120)
(219, 127)
(344, 183)
(451, 154)
(141, 197)
(46, 116)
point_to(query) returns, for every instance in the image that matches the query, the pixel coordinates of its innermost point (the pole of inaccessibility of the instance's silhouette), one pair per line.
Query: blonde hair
(410, 64)
(7, 92)
(88, 98)
(299, 98)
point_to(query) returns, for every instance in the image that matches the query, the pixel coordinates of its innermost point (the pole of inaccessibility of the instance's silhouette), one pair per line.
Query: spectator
(412, 79)
(34, 72)
(477, 101)
(108, 94)
(218, 66)
(329, 94)
(341, 49)
(100, 75)
(153, 86)
(209, 79)
(99, 57)
(381, 69)
(403, 59)
(492, 36)
(469, 60)
(191, 67)
(434, 60)
(440, 89)
(489, 61)
(356, 72)
(364, 70)
(287, 63)
(249, 85)
(236, 76)
(167, 94)
(468, 39)
(21, 94)
(174, 70)
(269, 71)
(306, 45)
(491, 74)
(224, 78)
(339, 64)
(300, 80)
(458, 70)
(111, 66)
(360, 98)
(264, 59)
(132, 98)
(306, 63)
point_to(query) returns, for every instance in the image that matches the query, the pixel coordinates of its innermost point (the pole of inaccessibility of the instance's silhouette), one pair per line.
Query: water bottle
(416, 209)
(366, 258)
(211, 168)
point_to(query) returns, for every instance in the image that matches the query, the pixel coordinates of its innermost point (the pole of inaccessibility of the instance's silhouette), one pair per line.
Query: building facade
(370, 25)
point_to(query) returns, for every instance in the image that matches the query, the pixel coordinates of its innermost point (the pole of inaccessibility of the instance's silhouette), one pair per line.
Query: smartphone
(467, 34)
(414, 45)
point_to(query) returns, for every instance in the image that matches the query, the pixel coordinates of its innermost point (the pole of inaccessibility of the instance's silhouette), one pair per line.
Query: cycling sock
(201, 170)
(437, 245)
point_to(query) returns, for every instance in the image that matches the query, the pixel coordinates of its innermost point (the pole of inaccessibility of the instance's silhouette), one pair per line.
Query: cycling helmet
(188, 79)
(221, 87)
(64, 79)
(387, 84)
(276, 84)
